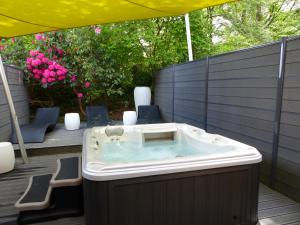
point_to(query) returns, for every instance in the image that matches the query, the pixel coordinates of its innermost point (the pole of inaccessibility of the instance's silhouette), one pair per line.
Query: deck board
(274, 208)
(58, 137)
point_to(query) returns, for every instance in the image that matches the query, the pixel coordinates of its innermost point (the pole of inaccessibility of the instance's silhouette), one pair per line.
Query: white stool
(7, 157)
(72, 121)
(129, 118)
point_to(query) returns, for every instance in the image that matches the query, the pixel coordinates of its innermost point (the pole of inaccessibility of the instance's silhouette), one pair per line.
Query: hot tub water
(128, 152)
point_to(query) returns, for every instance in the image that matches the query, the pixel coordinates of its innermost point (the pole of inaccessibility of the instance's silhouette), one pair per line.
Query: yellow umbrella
(21, 17)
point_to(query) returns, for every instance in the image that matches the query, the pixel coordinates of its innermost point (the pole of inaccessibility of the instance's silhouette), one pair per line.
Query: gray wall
(241, 101)
(242, 97)
(20, 98)
(190, 93)
(164, 92)
(288, 175)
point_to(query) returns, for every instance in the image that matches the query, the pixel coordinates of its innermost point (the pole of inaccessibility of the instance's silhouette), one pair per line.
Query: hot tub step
(68, 172)
(50, 197)
(37, 194)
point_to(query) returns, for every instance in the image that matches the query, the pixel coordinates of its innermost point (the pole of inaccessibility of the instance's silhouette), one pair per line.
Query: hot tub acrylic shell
(97, 170)
(218, 189)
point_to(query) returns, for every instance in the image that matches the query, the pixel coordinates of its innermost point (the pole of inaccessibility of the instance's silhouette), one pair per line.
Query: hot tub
(164, 174)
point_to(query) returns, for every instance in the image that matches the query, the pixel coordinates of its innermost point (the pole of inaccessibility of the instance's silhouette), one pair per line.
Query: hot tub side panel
(208, 197)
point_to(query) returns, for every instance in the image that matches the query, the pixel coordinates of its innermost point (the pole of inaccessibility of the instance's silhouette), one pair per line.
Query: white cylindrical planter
(7, 157)
(72, 121)
(142, 96)
(129, 118)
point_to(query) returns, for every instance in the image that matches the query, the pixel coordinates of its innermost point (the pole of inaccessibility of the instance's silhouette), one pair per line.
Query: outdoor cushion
(97, 116)
(44, 121)
(149, 114)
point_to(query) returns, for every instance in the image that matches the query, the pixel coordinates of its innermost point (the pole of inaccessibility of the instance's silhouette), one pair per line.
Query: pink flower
(40, 37)
(61, 78)
(97, 30)
(87, 84)
(58, 67)
(73, 78)
(49, 50)
(40, 72)
(64, 70)
(45, 60)
(35, 71)
(79, 95)
(33, 52)
(51, 67)
(29, 67)
(29, 60)
(52, 74)
(41, 55)
(44, 81)
(2, 47)
(36, 62)
(13, 40)
(36, 76)
(60, 51)
(46, 73)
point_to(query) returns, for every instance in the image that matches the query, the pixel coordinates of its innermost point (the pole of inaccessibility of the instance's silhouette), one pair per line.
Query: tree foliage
(247, 23)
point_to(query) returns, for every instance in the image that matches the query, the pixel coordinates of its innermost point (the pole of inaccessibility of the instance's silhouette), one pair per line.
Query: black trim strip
(206, 93)
(279, 97)
(147, 7)
(173, 92)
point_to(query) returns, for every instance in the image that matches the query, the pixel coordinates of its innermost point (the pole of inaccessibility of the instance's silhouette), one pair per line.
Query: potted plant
(142, 91)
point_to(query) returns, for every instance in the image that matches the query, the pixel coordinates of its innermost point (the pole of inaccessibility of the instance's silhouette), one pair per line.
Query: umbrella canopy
(21, 17)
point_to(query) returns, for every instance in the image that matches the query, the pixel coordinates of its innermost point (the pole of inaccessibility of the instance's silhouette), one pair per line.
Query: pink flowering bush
(43, 70)
(49, 67)
(68, 69)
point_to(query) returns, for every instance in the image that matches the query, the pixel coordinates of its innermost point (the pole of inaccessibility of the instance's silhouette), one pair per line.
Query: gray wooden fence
(20, 98)
(251, 95)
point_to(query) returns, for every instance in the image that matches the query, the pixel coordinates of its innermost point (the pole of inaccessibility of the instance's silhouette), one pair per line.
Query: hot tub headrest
(114, 131)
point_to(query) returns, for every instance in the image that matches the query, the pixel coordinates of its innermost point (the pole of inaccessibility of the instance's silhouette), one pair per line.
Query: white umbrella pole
(13, 112)
(188, 36)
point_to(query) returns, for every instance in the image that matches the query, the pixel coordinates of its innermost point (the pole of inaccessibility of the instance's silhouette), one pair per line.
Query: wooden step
(37, 194)
(68, 172)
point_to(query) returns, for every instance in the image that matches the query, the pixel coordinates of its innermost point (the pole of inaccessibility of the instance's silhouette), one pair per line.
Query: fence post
(279, 97)
(206, 93)
(173, 94)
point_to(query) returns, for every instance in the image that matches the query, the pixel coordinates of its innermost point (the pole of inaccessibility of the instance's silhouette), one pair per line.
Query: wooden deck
(274, 208)
(58, 137)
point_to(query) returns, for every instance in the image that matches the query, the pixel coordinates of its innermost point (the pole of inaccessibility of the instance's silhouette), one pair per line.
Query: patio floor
(58, 137)
(274, 208)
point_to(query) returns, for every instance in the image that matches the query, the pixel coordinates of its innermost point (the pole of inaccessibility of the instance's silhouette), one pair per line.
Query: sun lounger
(97, 116)
(44, 121)
(149, 114)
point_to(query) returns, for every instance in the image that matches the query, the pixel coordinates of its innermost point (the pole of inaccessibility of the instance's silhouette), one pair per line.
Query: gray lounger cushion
(97, 116)
(149, 114)
(45, 120)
